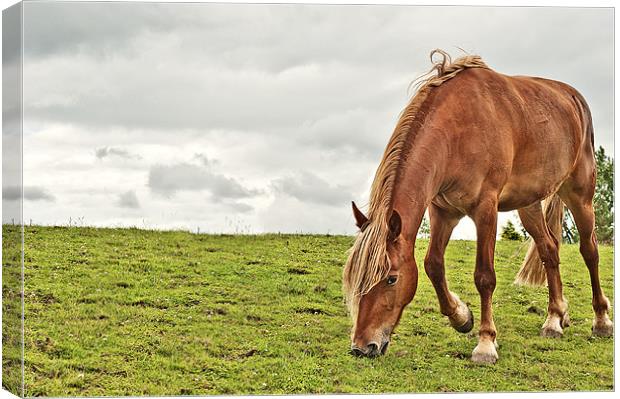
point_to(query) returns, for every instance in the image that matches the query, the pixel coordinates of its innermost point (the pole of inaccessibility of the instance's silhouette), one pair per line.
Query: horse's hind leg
(533, 221)
(442, 223)
(581, 207)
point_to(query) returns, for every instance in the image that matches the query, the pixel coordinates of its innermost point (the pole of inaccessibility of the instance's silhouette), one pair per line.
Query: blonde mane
(368, 262)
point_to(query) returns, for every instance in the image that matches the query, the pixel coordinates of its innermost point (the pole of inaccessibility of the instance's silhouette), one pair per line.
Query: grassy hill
(134, 312)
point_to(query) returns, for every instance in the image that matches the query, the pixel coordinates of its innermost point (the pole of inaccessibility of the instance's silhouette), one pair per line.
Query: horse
(474, 142)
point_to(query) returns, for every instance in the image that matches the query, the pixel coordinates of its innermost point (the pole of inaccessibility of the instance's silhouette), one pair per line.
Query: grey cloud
(128, 199)
(238, 75)
(168, 179)
(240, 207)
(203, 159)
(103, 152)
(11, 34)
(307, 187)
(11, 193)
(93, 28)
(357, 132)
(31, 193)
(102, 29)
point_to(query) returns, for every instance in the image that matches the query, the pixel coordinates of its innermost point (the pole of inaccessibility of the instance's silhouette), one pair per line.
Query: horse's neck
(417, 185)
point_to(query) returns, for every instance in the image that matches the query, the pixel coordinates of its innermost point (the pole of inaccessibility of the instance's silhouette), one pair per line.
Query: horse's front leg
(485, 218)
(442, 223)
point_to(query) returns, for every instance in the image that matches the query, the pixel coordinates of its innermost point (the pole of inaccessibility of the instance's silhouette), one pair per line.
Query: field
(134, 312)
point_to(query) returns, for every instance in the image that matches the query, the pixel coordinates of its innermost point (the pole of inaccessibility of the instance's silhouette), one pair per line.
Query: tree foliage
(604, 197)
(425, 228)
(603, 203)
(569, 230)
(509, 232)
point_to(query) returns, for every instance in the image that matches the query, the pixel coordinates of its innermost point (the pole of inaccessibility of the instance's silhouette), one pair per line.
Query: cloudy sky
(256, 118)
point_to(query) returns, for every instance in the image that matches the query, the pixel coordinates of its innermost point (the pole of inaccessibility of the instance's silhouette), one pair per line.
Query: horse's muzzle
(371, 350)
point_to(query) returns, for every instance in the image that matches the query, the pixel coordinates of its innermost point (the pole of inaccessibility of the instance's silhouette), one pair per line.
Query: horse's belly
(520, 192)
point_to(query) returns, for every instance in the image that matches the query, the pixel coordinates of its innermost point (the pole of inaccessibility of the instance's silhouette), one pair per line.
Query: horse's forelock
(366, 265)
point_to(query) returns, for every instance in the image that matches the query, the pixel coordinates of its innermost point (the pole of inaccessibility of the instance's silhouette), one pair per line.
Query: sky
(256, 118)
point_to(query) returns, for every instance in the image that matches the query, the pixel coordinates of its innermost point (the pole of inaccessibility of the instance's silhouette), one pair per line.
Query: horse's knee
(485, 280)
(434, 268)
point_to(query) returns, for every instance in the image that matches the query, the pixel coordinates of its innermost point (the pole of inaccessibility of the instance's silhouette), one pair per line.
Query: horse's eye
(392, 280)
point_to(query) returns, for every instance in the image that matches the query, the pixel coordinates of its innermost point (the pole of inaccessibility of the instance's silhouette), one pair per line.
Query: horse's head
(379, 279)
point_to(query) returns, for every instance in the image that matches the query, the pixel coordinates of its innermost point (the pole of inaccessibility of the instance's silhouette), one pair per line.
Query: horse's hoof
(485, 353)
(552, 327)
(565, 320)
(603, 328)
(551, 333)
(469, 324)
(463, 319)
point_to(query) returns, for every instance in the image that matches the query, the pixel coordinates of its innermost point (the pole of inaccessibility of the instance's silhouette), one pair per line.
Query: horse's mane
(368, 263)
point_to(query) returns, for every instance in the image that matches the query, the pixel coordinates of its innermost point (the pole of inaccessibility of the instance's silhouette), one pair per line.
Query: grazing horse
(474, 142)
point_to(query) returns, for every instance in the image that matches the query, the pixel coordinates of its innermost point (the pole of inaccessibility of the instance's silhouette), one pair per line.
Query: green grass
(11, 309)
(134, 312)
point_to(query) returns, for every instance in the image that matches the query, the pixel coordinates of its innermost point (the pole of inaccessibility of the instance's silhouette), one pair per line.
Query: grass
(11, 310)
(134, 312)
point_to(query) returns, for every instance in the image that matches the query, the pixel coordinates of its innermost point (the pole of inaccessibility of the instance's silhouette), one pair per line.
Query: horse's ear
(360, 218)
(395, 225)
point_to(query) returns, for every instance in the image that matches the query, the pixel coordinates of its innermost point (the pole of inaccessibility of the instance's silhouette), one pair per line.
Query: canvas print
(209, 199)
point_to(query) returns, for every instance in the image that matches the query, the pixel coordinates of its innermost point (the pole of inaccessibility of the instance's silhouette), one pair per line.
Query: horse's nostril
(357, 352)
(371, 350)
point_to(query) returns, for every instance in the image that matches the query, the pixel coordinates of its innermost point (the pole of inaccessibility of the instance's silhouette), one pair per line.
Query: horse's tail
(532, 270)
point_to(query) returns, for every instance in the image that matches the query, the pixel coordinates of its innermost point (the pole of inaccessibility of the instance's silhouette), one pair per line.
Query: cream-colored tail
(532, 270)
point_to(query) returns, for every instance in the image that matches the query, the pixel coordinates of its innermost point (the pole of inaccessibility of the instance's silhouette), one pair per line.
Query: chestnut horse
(474, 142)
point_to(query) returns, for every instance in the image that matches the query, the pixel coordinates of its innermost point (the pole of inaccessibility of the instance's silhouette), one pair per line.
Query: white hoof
(552, 327)
(602, 327)
(485, 352)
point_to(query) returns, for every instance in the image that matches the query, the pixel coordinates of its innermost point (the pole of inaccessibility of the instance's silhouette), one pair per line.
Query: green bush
(603, 203)
(604, 197)
(509, 232)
